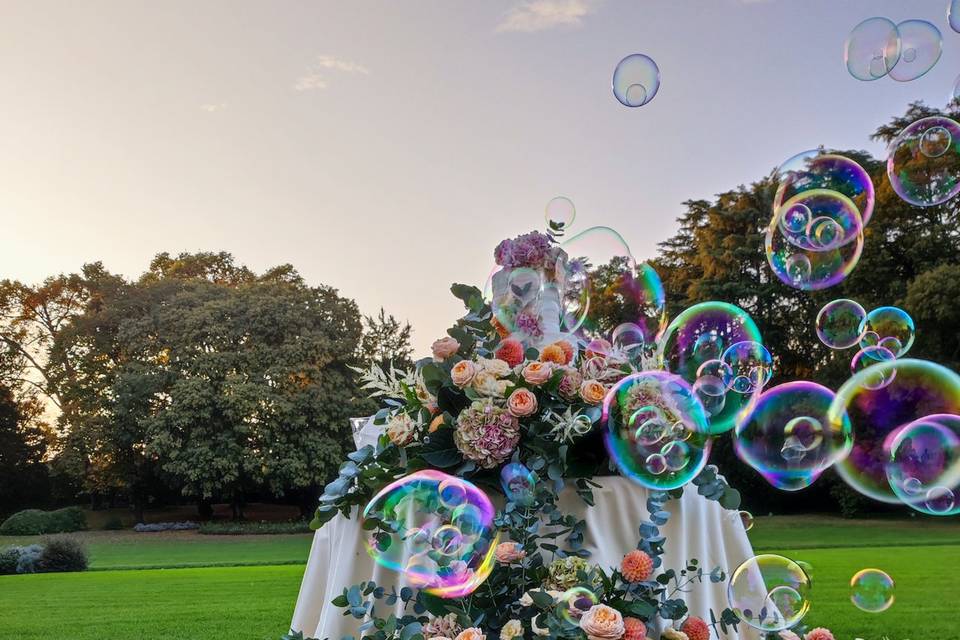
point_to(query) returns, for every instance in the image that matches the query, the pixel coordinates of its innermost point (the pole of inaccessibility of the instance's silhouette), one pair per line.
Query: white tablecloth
(698, 528)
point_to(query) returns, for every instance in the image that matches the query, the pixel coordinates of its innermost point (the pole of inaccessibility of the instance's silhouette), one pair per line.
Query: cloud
(315, 78)
(214, 107)
(540, 15)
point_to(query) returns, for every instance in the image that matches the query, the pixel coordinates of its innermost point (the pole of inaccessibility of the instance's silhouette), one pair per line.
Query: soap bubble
(872, 49)
(700, 334)
(560, 213)
(816, 169)
(869, 356)
(953, 15)
(923, 464)
(750, 367)
(888, 322)
(629, 340)
(769, 592)
(871, 590)
(832, 220)
(518, 483)
(641, 413)
(923, 161)
(787, 436)
(920, 47)
(955, 94)
(443, 538)
(636, 80)
(515, 294)
(746, 519)
(838, 323)
(576, 602)
(918, 388)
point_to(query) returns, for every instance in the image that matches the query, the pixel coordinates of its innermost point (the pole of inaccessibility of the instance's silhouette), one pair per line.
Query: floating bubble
(560, 213)
(807, 569)
(888, 322)
(923, 464)
(871, 590)
(636, 80)
(443, 538)
(769, 592)
(746, 519)
(576, 602)
(787, 437)
(838, 323)
(869, 356)
(629, 340)
(953, 15)
(700, 334)
(872, 49)
(920, 48)
(516, 294)
(955, 94)
(749, 367)
(918, 177)
(833, 220)
(663, 456)
(814, 170)
(518, 483)
(918, 388)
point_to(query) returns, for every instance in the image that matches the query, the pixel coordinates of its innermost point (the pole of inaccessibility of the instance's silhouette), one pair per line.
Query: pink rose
(537, 373)
(522, 403)
(444, 348)
(509, 553)
(602, 623)
(463, 373)
(472, 633)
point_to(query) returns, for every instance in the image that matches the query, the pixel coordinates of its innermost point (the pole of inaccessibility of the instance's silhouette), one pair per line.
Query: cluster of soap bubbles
(878, 47)
(822, 204)
(636, 80)
(435, 529)
(923, 161)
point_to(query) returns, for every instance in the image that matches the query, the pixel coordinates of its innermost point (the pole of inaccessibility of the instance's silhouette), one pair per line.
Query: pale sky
(385, 147)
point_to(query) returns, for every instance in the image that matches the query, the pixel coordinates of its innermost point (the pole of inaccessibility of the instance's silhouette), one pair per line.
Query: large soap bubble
(920, 48)
(749, 367)
(436, 529)
(817, 169)
(869, 356)
(636, 80)
(656, 429)
(699, 335)
(787, 437)
(888, 327)
(872, 49)
(560, 213)
(923, 161)
(918, 388)
(838, 323)
(923, 464)
(819, 220)
(871, 590)
(769, 592)
(953, 15)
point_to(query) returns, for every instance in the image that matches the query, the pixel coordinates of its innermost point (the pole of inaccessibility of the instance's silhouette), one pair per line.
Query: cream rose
(494, 366)
(537, 373)
(444, 348)
(463, 373)
(522, 403)
(513, 629)
(602, 623)
(592, 391)
(487, 384)
(472, 633)
(401, 429)
(526, 600)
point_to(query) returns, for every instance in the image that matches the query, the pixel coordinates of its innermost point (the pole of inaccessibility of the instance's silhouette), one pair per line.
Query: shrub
(262, 528)
(29, 560)
(9, 557)
(165, 526)
(63, 553)
(33, 522)
(114, 523)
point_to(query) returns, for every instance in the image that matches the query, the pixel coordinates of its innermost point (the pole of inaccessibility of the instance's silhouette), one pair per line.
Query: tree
(385, 342)
(23, 476)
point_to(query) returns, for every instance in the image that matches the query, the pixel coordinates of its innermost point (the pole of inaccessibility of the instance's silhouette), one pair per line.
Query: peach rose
(537, 373)
(522, 403)
(509, 553)
(487, 384)
(602, 623)
(592, 391)
(495, 366)
(471, 633)
(444, 348)
(463, 372)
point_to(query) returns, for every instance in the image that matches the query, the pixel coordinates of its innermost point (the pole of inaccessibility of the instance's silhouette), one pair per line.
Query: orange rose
(554, 353)
(592, 391)
(472, 633)
(537, 373)
(522, 403)
(463, 372)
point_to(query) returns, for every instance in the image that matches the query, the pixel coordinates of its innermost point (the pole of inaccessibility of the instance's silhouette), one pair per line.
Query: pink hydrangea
(486, 434)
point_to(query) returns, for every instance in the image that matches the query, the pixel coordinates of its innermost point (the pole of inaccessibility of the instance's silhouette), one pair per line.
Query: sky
(384, 148)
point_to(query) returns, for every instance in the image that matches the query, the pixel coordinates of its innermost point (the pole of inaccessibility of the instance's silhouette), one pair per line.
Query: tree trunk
(205, 508)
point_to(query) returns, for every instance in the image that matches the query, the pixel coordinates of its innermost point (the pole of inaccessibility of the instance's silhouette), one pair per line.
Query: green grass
(826, 532)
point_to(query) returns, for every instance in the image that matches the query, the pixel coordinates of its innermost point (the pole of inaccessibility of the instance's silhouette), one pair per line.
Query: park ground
(186, 586)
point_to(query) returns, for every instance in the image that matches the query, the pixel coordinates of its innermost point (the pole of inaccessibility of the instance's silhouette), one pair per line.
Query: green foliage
(254, 528)
(37, 522)
(9, 557)
(113, 523)
(63, 553)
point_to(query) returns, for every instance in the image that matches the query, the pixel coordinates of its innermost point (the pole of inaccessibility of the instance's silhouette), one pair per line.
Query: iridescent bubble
(918, 177)
(920, 47)
(787, 436)
(769, 592)
(953, 15)
(833, 220)
(866, 358)
(872, 49)
(629, 340)
(923, 464)
(443, 535)
(700, 334)
(955, 94)
(750, 367)
(816, 169)
(838, 323)
(871, 590)
(636, 80)
(747, 520)
(675, 457)
(918, 388)
(518, 483)
(560, 213)
(576, 602)
(515, 294)
(885, 323)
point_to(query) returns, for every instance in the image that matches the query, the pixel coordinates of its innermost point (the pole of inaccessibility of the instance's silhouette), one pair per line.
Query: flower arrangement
(485, 399)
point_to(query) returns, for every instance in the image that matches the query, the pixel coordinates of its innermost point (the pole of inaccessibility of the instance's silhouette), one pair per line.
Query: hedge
(32, 522)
